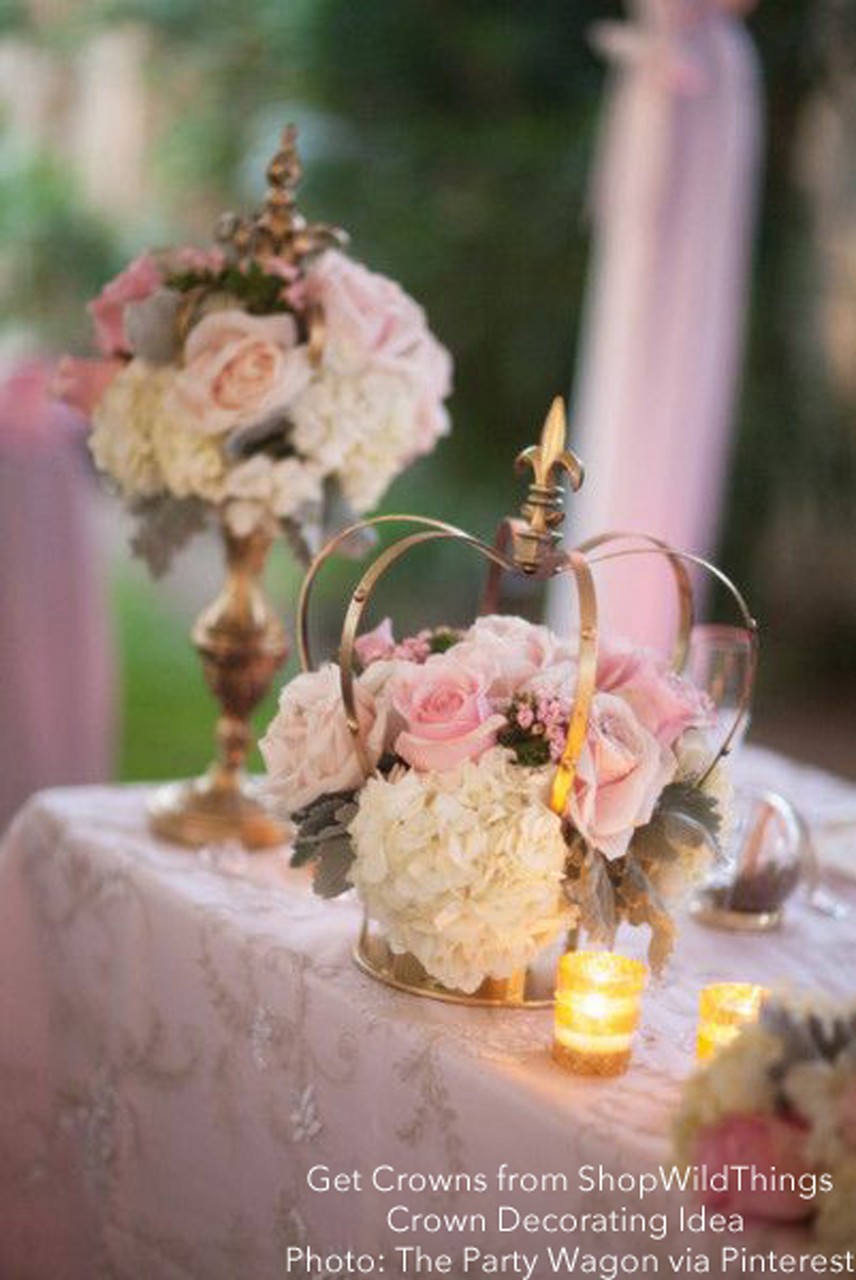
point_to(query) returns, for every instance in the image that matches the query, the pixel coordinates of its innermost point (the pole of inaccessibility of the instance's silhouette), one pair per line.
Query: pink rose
(665, 703)
(618, 662)
(369, 319)
(509, 652)
(308, 748)
(238, 368)
(766, 1143)
(375, 645)
(621, 772)
(447, 715)
(82, 383)
(136, 283)
(201, 261)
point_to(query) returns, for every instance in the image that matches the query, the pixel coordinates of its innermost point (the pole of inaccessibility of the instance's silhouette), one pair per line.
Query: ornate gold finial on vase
(242, 645)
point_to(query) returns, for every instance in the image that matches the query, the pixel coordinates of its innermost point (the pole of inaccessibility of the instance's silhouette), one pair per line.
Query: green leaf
(335, 858)
(641, 904)
(321, 822)
(690, 801)
(443, 640)
(596, 900)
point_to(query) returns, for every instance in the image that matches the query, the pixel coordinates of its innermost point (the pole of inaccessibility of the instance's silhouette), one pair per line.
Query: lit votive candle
(724, 1008)
(598, 999)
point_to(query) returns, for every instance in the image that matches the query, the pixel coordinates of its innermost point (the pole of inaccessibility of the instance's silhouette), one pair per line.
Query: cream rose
(308, 748)
(238, 368)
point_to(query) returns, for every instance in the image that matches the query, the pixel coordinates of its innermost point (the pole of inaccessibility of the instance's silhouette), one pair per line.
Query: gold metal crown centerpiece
(529, 545)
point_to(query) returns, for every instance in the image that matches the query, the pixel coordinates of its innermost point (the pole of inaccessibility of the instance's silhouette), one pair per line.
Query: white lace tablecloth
(183, 1038)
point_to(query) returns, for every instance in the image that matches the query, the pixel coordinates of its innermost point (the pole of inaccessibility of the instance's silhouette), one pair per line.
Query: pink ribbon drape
(673, 196)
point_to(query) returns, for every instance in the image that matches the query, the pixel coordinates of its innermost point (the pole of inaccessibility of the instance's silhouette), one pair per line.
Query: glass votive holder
(598, 1003)
(725, 1007)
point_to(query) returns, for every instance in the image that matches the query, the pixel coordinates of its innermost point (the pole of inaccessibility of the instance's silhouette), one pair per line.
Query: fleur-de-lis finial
(537, 533)
(279, 230)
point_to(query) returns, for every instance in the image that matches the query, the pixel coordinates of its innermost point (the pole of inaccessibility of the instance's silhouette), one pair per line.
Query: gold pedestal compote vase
(218, 397)
(242, 645)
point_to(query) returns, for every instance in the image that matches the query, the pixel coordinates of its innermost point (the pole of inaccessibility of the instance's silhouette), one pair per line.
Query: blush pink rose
(618, 662)
(665, 703)
(509, 652)
(370, 320)
(82, 383)
(620, 773)
(238, 368)
(136, 283)
(375, 645)
(308, 748)
(447, 715)
(765, 1143)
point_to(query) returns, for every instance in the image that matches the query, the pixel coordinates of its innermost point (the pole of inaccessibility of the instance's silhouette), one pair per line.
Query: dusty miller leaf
(164, 525)
(641, 904)
(595, 897)
(324, 820)
(335, 858)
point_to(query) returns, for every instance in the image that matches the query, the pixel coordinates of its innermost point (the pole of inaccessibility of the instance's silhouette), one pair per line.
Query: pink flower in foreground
(620, 773)
(509, 652)
(665, 703)
(447, 715)
(765, 1143)
(136, 283)
(308, 748)
(375, 645)
(82, 383)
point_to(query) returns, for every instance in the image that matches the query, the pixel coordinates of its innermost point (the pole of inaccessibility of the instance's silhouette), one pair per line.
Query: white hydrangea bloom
(463, 868)
(192, 464)
(359, 426)
(261, 487)
(121, 436)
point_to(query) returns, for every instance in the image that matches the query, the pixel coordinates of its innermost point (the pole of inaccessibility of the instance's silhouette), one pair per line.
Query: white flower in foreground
(463, 868)
(308, 748)
(122, 422)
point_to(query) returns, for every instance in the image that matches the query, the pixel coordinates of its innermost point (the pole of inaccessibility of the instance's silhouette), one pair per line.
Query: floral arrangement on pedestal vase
(274, 384)
(780, 1099)
(486, 790)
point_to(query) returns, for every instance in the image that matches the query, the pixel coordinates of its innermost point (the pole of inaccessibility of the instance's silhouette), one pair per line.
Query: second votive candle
(725, 1007)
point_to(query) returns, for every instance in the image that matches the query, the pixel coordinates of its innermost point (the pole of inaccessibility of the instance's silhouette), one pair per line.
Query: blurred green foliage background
(453, 138)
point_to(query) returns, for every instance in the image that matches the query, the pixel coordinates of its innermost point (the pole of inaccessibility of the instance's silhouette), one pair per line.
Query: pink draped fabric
(56, 676)
(673, 199)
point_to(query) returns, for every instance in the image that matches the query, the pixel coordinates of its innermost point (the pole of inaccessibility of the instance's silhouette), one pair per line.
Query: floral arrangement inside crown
(452, 843)
(269, 378)
(781, 1098)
